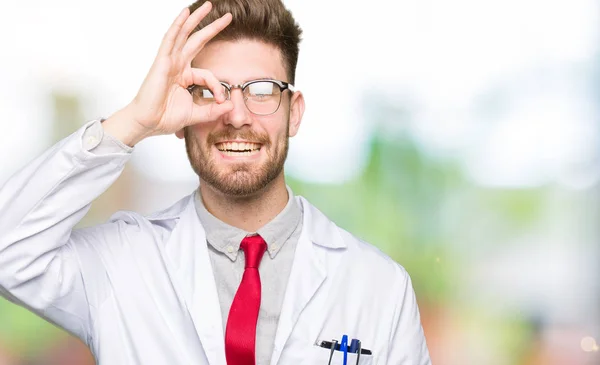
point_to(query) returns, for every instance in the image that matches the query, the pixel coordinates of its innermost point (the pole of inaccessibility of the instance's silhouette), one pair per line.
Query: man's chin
(236, 190)
(238, 183)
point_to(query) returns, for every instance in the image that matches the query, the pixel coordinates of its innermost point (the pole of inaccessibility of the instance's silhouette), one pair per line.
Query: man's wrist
(123, 127)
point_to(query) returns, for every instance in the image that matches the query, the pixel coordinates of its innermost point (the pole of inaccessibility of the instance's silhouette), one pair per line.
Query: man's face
(212, 147)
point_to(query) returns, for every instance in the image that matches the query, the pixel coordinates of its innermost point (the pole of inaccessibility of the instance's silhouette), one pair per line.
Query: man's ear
(180, 133)
(296, 112)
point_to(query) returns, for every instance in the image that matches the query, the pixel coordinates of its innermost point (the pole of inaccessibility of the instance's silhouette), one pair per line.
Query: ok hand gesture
(163, 105)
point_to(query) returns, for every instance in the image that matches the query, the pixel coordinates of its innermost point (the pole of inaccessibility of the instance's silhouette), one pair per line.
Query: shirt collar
(227, 239)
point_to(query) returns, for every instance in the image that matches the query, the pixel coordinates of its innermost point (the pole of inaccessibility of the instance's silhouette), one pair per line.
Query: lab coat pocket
(320, 356)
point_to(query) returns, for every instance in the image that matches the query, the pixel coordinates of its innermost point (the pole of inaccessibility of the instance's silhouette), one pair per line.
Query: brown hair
(263, 20)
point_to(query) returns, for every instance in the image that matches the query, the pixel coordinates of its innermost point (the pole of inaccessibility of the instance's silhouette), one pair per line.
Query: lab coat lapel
(308, 273)
(188, 251)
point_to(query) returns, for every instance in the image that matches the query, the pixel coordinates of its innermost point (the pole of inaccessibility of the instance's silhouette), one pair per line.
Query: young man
(239, 272)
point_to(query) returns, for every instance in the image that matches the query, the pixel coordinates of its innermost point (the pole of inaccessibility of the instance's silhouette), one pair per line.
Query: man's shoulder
(370, 255)
(375, 267)
(361, 252)
(170, 213)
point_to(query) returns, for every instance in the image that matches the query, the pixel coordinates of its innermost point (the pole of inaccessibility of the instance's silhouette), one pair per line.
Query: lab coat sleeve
(98, 142)
(40, 268)
(407, 341)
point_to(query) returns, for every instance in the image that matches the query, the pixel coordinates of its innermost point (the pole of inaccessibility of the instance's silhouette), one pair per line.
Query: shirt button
(91, 140)
(273, 248)
(229, 249)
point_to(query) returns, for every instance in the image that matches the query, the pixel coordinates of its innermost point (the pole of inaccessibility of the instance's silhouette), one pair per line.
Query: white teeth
(238, 146)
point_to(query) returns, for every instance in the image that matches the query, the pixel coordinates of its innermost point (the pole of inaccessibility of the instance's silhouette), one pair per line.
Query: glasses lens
(262, 97)
(203, 95)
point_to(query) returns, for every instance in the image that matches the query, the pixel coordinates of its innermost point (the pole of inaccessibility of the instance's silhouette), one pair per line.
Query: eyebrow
(252, 79)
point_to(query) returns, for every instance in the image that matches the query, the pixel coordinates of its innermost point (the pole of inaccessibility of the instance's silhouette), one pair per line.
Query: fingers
(205, 77)
(210, 112)
(195, 43)
(191, 23)
(170, 37)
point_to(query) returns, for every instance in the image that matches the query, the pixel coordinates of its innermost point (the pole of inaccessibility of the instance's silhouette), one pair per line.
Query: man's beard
(243, 179)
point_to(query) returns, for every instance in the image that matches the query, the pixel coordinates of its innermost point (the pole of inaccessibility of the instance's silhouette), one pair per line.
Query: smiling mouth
(238, 148)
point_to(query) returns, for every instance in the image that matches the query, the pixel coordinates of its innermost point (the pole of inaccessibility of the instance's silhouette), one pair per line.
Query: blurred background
(461, 137)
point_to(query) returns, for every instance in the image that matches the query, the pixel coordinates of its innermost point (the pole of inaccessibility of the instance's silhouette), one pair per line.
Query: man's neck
(247, 213)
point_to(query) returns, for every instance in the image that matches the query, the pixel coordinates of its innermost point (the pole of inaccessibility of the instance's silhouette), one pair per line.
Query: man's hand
(163, 105)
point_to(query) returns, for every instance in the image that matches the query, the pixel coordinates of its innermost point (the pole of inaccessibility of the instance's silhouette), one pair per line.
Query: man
(239, 272)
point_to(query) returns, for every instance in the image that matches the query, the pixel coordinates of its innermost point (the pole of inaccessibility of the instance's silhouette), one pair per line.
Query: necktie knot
(254, 248)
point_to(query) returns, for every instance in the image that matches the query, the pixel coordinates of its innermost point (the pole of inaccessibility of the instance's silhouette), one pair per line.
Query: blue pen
(344, 347)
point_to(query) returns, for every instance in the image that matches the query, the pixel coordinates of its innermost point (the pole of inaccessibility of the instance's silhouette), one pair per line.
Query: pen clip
(333, 344)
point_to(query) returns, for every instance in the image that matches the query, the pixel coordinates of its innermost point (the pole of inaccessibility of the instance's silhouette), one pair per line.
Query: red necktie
(240, 334)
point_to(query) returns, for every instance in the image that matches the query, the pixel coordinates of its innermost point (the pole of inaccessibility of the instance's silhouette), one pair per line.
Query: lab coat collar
(191, 268)
(320, 229)
(309, 271)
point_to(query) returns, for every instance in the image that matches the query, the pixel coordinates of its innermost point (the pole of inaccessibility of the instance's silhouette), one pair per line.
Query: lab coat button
(229, 249)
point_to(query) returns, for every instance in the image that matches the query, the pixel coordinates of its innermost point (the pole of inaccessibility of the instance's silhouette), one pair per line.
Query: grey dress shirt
(281, 235)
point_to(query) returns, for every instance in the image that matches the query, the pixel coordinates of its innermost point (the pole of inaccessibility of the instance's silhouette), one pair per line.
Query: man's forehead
(242, 60)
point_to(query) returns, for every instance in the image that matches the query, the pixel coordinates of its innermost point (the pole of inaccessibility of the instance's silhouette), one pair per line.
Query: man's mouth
(238, 148)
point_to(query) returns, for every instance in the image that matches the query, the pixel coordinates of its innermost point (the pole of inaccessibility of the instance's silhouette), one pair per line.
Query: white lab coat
(140, 290)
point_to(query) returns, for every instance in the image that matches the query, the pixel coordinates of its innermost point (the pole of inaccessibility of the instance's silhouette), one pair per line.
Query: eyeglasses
(262, 97)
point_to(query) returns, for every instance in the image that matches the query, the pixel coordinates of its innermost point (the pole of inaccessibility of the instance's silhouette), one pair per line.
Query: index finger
(191, 23)
(171, 35)
(199, 39)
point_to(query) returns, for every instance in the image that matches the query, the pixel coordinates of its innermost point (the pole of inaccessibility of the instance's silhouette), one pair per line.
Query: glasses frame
(283, 86)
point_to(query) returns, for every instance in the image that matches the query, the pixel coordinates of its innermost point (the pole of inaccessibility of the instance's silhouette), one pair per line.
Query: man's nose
(239, 115)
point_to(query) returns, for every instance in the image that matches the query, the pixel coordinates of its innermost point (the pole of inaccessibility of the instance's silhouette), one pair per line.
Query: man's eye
(207, 94)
